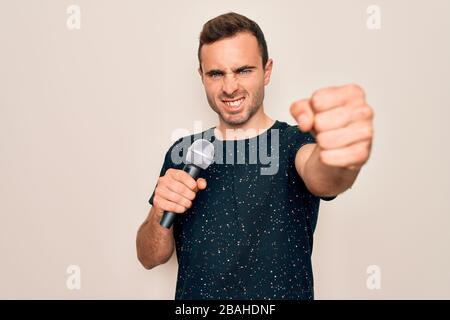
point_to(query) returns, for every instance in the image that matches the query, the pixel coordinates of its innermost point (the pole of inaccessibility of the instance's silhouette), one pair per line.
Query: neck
(254, 126)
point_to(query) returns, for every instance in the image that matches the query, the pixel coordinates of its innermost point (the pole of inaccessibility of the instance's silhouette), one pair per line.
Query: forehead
(241, 49)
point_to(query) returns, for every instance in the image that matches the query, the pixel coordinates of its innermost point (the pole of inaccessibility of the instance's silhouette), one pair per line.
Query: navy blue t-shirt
(249, 234)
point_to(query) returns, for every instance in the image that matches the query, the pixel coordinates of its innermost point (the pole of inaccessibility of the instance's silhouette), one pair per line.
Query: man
(249, 235)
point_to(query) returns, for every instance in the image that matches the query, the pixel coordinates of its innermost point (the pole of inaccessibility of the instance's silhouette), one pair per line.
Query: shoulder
(292, 138)
(291, 131)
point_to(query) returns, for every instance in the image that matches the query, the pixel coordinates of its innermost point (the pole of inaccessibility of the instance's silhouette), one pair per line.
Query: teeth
(235, 103)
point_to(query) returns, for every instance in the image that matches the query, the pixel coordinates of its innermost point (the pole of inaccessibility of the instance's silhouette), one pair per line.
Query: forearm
(324, 180)
(154, 243)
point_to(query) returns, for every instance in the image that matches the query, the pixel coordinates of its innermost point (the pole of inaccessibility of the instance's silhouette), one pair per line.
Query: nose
(230, 84)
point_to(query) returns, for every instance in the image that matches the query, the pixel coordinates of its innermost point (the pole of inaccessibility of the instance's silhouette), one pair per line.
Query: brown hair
(228, 25)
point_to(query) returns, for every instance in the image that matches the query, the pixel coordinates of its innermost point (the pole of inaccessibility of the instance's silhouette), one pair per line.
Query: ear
(268, 71)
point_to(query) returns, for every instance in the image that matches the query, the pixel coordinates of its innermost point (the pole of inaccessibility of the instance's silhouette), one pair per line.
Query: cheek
(253, 87)
(211, 92)
(256, 81)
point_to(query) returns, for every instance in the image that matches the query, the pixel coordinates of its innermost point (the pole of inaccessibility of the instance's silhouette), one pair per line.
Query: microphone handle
(169, 217)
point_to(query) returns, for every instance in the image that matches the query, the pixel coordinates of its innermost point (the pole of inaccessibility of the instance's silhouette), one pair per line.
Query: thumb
(201, 184)
(302, 112)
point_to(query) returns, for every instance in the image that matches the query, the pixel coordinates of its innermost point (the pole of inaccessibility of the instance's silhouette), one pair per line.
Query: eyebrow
(236, 70)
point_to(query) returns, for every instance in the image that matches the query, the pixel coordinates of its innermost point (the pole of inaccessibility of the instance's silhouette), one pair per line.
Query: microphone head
(200, 153)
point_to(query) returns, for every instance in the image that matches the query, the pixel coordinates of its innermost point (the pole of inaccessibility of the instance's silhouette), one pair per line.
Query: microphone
(199, 156)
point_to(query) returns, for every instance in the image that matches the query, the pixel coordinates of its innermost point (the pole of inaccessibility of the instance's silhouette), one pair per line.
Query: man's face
(234, 77)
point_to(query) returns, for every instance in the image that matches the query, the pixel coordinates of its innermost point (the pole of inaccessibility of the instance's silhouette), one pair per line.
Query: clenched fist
(341, 122)
(176, 190)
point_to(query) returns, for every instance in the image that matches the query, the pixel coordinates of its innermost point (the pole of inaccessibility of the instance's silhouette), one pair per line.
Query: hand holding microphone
(176, 190)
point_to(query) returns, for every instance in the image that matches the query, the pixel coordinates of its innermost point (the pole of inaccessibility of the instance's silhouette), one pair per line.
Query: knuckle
(355, 89)
(172, 196)
(366, 112)
(321, 140)
(175, 197)
(369, 132)
(323, 157)
(191, 195)
(178, 174)
(187, 180)
(178, 188)
(298, 106)
(183, 202)
(316, 97)
(179, 208)
(158, 190)
(190, 182)
(173, 207)
(369, 112)
(360, 152)
(319, 123)
(345, 116)
(156, 201)
(361, 159)
(293, 107)
(159, 202)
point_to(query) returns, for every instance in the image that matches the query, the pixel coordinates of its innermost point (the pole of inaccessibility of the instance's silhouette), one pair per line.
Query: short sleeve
(166, 166)
(297, 139)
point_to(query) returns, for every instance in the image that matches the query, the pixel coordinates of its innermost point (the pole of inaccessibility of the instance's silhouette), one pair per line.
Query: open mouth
(234, 104)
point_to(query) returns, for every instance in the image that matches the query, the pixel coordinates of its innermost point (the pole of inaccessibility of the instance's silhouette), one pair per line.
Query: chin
(235, 120)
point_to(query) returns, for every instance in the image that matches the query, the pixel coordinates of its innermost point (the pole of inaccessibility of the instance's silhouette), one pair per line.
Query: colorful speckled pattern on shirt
(248, 235)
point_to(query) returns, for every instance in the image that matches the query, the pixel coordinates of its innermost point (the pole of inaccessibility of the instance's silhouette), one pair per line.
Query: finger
(185, 179)
(167, 205)
(303, 114)
(342, 137)
(181, 189)
(340, 117)
(354, 155)
(173, 197)
(332, 97)
(201, 184)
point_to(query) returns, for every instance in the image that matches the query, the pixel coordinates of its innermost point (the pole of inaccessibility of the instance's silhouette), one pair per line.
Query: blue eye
(215, 75)
(245, 71)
